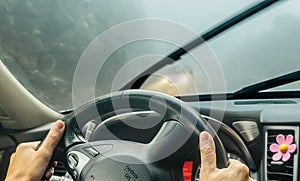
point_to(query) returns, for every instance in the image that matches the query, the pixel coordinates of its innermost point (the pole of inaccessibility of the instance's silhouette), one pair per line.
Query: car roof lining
(19, 109)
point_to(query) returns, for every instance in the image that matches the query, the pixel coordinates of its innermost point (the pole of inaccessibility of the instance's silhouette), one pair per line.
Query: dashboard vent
(264, 102)
(279, 170)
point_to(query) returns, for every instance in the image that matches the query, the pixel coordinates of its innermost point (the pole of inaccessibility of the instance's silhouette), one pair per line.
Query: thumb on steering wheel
(207, 152)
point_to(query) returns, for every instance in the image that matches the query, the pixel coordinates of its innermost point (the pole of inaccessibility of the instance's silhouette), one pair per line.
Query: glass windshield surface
(42, 41)
(260, 48)
(265, 47)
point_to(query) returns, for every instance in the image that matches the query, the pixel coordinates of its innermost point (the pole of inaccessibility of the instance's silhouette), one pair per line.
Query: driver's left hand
(31, 163)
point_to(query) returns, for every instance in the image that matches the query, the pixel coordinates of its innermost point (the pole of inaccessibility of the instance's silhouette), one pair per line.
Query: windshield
(260, 48)
(42, 43)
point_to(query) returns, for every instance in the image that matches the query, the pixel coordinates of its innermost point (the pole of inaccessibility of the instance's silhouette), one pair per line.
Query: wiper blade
(268, 84)
(176, 55)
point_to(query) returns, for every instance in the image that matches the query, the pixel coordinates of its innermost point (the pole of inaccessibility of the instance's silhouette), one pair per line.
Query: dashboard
(247, 128)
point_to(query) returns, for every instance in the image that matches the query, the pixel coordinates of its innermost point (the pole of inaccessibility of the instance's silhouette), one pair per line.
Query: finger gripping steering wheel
(160, 159)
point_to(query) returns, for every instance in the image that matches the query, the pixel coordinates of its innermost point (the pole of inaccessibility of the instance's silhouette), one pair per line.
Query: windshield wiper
(176, 55)
(268, 84)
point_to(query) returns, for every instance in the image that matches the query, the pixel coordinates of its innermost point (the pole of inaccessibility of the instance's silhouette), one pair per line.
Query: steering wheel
(160, 159)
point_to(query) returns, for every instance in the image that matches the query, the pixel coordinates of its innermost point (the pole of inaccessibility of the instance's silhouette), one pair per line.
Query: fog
(42, 41)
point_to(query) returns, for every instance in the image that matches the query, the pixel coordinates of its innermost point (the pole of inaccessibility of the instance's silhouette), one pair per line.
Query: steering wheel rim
(184, 137)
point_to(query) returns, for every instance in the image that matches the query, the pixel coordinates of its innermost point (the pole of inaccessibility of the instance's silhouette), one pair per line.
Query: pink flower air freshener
(284, 148)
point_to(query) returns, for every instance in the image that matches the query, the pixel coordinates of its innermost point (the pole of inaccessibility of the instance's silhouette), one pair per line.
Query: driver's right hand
(236, 171)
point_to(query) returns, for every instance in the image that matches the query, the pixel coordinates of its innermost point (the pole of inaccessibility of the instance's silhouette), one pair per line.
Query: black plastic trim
(231, 96)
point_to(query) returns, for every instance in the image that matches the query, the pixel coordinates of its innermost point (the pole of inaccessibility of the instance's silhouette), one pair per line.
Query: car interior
(135, 87)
